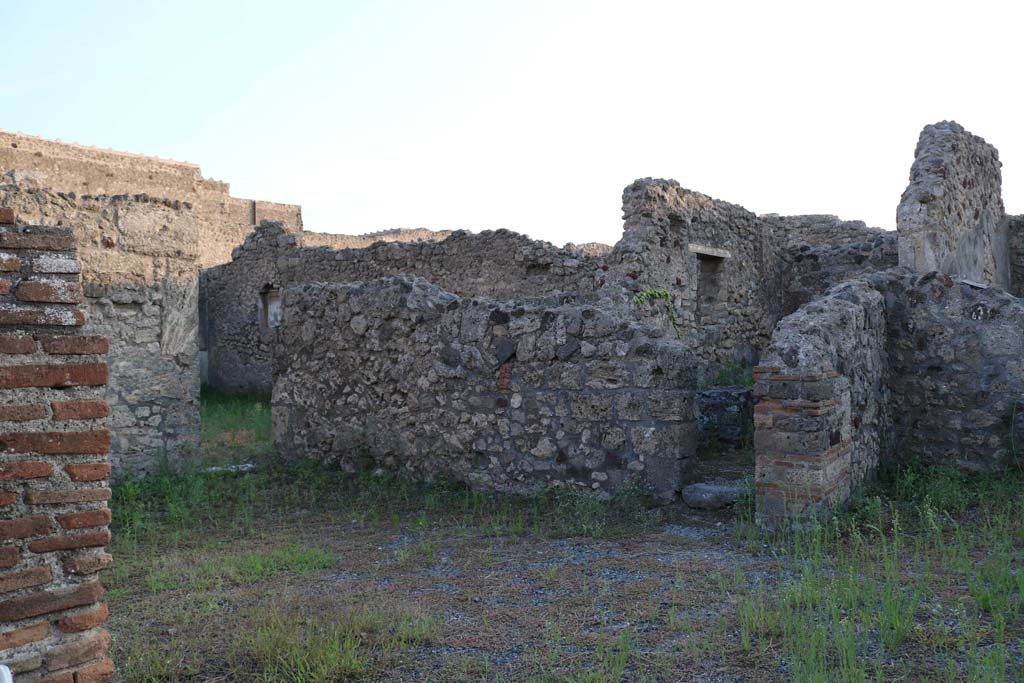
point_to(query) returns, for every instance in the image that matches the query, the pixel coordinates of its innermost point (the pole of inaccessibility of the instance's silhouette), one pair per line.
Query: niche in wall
(270, 307)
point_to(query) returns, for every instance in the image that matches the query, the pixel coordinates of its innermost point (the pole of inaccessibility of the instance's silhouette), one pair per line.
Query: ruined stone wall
(1015, 230)
(822, 414)
(238, 342)
(891, 366)
(140, 271)
(338, 241)
(224, 221)
(951, 217)
(814, 230)
(499, 264)
(508, 395)
(808, 270)
(718, 261)
(956, 372)
(723, 268)
(53, 464)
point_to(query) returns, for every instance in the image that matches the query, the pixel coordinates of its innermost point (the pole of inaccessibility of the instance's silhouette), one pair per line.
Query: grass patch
(291, 648)
(234, 425)
(308, 574)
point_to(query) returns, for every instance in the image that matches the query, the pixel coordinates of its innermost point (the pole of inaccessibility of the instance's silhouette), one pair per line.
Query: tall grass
(924, 572)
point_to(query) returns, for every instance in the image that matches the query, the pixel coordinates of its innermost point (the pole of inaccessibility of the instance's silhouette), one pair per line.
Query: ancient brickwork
(139, 259)
(54, 466)
(951, 217)
(509, 395)
(821, 416)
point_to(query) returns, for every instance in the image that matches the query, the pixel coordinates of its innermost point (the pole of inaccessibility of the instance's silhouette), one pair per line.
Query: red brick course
(47, 602)
(55, 376)
(89, 471)
(17, 343)
(65, 640)
(69, 345)
(44, 291)
(12, 471)
(94, 442)
(79, 410)
(23, 413)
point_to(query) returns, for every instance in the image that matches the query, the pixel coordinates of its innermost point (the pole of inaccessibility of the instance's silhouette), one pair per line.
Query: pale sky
(524, 115)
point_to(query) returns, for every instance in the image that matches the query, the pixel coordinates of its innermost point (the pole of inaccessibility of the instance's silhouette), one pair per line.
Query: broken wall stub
(951, 217)
(892, 366)
(139, 259)
(822, 411)
(511, 395)
(54, 464)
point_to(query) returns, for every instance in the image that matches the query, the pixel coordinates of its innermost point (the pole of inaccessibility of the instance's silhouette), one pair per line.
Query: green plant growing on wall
(659, 294)
(733, 374)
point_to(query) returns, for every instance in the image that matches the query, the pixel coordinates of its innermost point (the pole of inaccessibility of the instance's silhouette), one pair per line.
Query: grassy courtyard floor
(305, 574)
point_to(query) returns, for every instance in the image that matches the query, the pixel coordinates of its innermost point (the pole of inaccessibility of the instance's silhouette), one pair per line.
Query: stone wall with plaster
(140, 262)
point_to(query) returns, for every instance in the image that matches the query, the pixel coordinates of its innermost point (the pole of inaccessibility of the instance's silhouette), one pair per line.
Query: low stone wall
(507, 395)
(821, 419)
(54, 465)
(951, 217)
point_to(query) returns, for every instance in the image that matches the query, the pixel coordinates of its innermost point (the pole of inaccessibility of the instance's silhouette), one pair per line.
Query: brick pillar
(802, 443)
(54, 464)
